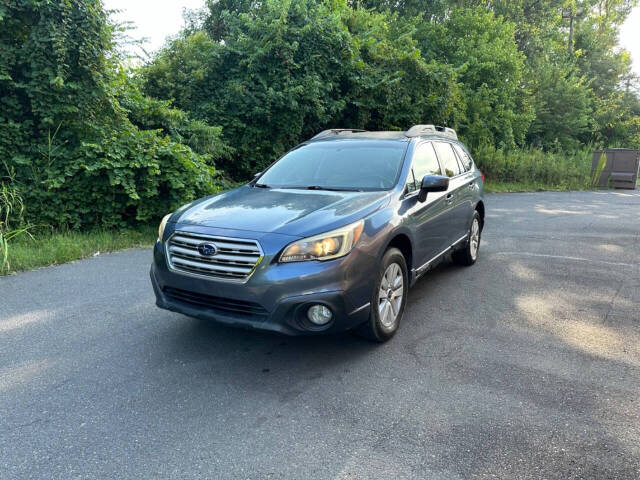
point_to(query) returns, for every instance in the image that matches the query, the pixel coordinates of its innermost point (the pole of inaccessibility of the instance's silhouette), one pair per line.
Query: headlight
(163, 223)
(333, 244)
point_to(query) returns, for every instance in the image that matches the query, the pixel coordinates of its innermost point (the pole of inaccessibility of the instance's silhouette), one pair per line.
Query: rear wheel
(388, 298)
(469, 253)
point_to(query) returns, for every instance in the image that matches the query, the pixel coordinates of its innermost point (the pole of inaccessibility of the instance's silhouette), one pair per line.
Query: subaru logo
(207, 249)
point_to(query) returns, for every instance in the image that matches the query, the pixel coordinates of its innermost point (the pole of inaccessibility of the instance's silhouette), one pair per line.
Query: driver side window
(425, 162)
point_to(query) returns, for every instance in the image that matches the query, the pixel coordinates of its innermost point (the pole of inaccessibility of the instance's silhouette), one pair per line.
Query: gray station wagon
(328, 238)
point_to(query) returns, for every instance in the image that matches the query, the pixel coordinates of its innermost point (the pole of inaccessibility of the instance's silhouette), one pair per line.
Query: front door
(428, 219)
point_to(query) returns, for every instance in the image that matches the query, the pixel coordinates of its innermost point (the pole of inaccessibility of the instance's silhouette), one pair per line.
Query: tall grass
(531, 167)
(48, 247)
(602, 163)
(11, 221)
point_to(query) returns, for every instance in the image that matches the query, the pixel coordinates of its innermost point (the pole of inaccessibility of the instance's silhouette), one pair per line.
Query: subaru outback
(328, 238)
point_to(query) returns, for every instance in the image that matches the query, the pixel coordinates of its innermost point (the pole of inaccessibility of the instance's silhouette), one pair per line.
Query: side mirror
(257, 175)
(432, 183)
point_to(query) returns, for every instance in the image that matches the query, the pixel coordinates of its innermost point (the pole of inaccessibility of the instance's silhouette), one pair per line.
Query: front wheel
(388, 298)
(469, 253)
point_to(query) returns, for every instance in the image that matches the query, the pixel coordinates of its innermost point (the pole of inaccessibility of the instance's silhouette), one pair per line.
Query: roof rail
(336, 131)
(418, 130)
(449, 132)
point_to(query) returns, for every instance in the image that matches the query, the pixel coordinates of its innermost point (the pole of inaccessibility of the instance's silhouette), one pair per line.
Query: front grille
(220, 304)
(235, 258)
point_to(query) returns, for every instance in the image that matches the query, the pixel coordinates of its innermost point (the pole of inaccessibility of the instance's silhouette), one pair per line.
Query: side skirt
(416, 273)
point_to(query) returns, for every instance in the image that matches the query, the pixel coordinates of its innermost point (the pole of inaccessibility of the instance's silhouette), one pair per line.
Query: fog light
(319, 314)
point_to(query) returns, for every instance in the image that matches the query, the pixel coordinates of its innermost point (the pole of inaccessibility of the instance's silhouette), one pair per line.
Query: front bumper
(276, 297)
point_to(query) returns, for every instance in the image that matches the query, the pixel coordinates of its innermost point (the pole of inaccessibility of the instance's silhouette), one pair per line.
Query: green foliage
(618, 120)
(490, 70)
(51, 247)
(389, 85)
(575, 57)
(269, 84)
(535, 166)
(564, 112)
(11, 220)
(502, 73)
(65, 128)
(89, 143)
(133, 175)
(539, 27)
(289, 69)
(406, 8)
(597, 173)
(148, 113)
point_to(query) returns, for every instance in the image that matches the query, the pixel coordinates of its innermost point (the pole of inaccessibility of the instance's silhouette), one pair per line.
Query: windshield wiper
(261, 185)
(331, 189)
(320, 187)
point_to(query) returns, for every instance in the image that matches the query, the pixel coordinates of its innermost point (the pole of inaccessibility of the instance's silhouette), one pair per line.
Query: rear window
(447, 159)
(343, 164)
(464, 157)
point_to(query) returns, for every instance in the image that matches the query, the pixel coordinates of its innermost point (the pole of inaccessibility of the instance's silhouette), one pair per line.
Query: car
(328, 238)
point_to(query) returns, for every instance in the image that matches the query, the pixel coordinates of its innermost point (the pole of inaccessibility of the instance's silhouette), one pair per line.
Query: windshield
(338, 165)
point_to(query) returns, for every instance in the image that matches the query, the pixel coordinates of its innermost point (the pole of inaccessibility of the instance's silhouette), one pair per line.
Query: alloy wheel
(474, 238)
(390, 295)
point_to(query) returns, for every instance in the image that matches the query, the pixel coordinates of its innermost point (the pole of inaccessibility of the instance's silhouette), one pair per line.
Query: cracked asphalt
(526, 365)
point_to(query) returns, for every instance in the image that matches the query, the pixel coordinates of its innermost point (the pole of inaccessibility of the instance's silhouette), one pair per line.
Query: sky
(156, 19)
(630, 38)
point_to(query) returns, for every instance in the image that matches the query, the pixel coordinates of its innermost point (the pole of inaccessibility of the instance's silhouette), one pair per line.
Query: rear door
(456, 201)
(426, 219)
(469, 180)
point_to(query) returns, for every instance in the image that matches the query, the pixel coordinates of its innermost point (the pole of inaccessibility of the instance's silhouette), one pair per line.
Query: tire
(468, 255)
(384, 319)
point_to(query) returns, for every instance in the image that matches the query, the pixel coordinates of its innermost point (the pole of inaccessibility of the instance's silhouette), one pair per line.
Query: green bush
(274, 81)
(534, 166)
(87, 148)
(127, 177)
(148, 113)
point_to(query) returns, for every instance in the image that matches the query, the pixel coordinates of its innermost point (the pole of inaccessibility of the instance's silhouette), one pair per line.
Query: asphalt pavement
(526, 365)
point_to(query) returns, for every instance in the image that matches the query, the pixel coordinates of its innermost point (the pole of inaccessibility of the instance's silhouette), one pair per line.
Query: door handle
(449, 197)
(472, 185)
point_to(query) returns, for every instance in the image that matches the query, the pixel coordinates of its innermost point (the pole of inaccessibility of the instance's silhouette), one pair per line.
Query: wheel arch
(402, 242)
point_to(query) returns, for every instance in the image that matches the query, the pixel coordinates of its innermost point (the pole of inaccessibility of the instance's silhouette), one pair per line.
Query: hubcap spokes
(390, 295)
(474, 238)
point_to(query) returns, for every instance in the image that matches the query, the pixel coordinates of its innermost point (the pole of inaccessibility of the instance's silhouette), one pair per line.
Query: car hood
(286, 211)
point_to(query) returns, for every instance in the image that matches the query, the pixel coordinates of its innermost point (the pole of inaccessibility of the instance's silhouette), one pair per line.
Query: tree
(564, 109)
(390, 85)
(287, 70)
(431, 10)
(274, 80)
(490, 70)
